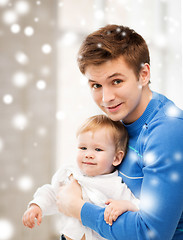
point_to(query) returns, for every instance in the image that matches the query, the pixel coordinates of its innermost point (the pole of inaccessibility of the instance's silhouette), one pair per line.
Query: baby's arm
(34, 211)
(117, 207)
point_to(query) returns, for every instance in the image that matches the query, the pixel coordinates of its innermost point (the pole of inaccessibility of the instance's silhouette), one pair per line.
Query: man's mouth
(114, 108)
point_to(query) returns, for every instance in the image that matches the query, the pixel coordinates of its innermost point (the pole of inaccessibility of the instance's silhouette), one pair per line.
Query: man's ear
(144, 76)
(118, 158)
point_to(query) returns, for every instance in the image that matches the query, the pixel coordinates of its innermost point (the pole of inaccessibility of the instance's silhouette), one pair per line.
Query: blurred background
(44, 97)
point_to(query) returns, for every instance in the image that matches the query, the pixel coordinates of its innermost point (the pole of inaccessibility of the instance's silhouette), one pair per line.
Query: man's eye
(117, 81)
(96, 86)
(98, 149)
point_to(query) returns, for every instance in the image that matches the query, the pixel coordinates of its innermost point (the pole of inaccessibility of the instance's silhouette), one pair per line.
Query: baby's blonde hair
(115, 128)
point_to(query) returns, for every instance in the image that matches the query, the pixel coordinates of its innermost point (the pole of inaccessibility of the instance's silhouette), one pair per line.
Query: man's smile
(113, 108)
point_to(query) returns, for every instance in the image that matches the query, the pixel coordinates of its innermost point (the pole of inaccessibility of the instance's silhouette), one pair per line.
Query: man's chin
(114, 117)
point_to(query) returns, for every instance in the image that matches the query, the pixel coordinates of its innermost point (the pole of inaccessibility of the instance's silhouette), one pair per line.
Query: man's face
(116, 89)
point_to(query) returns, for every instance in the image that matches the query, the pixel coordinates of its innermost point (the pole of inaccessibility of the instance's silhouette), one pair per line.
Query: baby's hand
(34, 211)
(115, 208)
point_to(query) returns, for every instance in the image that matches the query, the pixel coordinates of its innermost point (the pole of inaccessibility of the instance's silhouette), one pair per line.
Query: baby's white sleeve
(45, 198)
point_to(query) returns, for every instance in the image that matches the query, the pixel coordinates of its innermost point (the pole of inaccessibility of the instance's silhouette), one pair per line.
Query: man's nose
(107, 95)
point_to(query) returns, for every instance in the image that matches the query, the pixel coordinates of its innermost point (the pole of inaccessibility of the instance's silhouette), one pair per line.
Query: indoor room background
(44, 97)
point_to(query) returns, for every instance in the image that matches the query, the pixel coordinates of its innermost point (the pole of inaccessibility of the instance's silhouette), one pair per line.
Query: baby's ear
(118, 158)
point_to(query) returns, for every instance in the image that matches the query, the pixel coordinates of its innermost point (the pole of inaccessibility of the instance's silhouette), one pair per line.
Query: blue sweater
(153, 170)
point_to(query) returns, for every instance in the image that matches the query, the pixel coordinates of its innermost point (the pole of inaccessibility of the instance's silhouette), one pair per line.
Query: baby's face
(96, 152)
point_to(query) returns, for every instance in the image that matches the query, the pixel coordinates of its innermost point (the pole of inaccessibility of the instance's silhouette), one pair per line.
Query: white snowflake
(41, 84)
(173, 111)
(174, 176)
(178, 156)
(60, 115)
(36, 19)
(83, 80)
(45, 71)
(8, 99)
(99, 45)
(35, 144)
(69, 38)
(151, 234)
(15, 28)
(6, 229)
(118, 29)
(46, 48)
(20, 121)
(29, 31)
(139, 86)
(38, 2)
(60, 4)
(83, 22)
(42, 131)
(25, 183)
(9, 17)
(99, 14)
(20, 79)
(80, 56)
(22, 7)
(148, 202)
(21, 58)
(12, 179)
(154, 182)
(123, 33)
(1, 144)
(149, 158)
(3, 2)
(133, 156)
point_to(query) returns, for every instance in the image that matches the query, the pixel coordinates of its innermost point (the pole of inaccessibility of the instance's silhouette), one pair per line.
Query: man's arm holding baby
(70, 203)
(69, 199)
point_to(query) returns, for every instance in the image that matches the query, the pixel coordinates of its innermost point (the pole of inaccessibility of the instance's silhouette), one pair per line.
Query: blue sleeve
(161, 194)
(127, 226)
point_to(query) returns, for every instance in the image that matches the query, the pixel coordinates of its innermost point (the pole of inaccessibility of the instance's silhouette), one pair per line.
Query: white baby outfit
(95, 190)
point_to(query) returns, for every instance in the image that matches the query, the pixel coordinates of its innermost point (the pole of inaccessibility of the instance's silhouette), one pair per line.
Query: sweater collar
(136, 126)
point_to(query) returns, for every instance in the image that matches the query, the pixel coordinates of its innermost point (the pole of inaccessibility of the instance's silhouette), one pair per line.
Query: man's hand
(117, 207)
(69, 199)
(34, 211)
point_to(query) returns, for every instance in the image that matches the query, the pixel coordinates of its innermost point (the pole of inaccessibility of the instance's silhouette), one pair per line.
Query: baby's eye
(82, 148)
(98, 149)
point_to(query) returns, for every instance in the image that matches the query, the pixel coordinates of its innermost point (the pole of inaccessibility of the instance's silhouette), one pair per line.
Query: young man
(116, 61)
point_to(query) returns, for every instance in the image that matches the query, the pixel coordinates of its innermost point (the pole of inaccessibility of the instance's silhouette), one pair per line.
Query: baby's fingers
(113, 216)
(106, 215)
(39, 219)
(31, 220)
(24, 220)
(108, 201)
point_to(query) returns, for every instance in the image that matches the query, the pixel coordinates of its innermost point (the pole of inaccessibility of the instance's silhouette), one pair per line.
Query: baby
(102, 146)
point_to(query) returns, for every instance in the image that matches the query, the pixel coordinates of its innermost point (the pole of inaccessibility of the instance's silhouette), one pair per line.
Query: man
(115, 59)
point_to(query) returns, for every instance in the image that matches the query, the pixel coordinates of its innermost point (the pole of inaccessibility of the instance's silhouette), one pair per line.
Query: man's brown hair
(111, 42)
